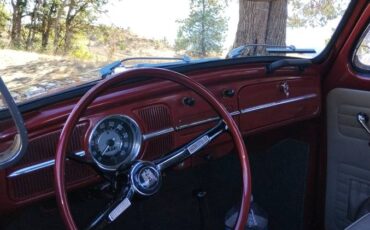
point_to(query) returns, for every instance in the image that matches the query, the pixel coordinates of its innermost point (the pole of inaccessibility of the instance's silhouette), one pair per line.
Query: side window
(361, 57)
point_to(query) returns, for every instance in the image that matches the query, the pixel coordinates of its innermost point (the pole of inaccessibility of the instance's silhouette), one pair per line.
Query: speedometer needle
(105, 150)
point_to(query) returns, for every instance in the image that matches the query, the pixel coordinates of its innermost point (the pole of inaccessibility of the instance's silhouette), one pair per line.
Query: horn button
(145, 178)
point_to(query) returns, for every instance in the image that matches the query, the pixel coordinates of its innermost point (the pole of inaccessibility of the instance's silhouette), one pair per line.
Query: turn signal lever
(19, 146)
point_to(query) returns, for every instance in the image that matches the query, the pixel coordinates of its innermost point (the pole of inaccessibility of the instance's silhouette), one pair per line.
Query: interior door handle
(363, 119)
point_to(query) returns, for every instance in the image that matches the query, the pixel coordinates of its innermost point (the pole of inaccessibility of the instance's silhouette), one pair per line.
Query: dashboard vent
(42, 181)
(156, 118)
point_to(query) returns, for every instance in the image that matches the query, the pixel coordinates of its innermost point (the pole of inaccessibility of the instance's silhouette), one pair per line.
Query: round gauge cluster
(114, 141)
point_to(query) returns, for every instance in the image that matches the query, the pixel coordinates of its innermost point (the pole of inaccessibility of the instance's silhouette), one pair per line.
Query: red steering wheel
(154, 168)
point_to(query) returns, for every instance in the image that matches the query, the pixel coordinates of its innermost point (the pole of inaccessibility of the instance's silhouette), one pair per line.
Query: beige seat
(361, 224)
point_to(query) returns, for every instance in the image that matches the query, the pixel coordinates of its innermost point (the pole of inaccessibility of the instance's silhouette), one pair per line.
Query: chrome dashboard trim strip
(80, 154)
(161, 132)
(196, 123)
(32, 168)
(154, 134)
(234, 113)
(39, 166)
(277, 103)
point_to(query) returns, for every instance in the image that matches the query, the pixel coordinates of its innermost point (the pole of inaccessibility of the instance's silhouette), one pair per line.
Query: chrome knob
(284, 87)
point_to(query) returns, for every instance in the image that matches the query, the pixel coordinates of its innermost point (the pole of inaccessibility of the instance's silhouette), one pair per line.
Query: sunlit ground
(30, 74)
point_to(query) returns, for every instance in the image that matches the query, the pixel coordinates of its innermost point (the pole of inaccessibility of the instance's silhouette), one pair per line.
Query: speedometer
(115, 140)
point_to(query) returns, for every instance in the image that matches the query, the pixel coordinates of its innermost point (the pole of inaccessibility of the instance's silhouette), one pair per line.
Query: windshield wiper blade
(238, 51)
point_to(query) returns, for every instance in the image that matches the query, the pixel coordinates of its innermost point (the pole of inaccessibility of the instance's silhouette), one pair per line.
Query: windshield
(53, 45)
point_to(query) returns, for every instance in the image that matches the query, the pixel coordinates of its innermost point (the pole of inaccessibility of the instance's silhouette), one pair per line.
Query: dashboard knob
(228, 93)
(189, 101)
(284, 88)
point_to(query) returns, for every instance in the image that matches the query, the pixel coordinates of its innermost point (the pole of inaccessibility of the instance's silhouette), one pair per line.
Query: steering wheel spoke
(179, 155)
(113, 210)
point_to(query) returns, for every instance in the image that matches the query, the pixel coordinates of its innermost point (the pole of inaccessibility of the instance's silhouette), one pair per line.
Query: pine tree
(203, 32)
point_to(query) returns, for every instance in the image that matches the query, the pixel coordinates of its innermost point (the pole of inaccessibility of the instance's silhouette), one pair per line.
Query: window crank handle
(363, 119)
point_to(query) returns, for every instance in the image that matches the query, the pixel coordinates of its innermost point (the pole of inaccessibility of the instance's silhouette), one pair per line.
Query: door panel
(347, 92)
(348, 168)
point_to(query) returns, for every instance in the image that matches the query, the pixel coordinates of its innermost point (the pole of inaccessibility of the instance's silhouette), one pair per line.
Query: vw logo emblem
(145, 178)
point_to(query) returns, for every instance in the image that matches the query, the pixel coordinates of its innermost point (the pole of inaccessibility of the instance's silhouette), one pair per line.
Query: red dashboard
(168, 116)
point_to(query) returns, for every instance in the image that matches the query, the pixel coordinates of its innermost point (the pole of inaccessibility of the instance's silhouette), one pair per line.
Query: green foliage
(50, 25)
(4, 18)
(82, 53)
(84, 12)
(203, 32)
(80, 48)
(111, 37)
(314, 13)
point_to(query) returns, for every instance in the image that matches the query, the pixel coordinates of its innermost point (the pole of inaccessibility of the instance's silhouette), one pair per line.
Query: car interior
(212, 145)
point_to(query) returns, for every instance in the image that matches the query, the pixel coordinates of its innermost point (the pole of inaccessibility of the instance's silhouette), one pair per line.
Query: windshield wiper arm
(237, 52)
(109, 69)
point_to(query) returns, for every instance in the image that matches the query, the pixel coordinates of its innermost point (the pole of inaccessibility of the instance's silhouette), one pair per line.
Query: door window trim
(356, 64)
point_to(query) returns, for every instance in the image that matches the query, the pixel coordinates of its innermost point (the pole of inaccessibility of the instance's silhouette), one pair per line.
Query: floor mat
(278, 183)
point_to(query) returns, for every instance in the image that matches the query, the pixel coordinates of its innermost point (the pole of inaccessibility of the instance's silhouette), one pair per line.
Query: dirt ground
(29, 75)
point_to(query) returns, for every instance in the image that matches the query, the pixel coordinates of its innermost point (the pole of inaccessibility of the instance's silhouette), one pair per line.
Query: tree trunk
(67, 37)
(203, 41)
(68, 29)
(46, 25)
(32, 27)
(261, 22)
(57, 26)
(18, 8)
